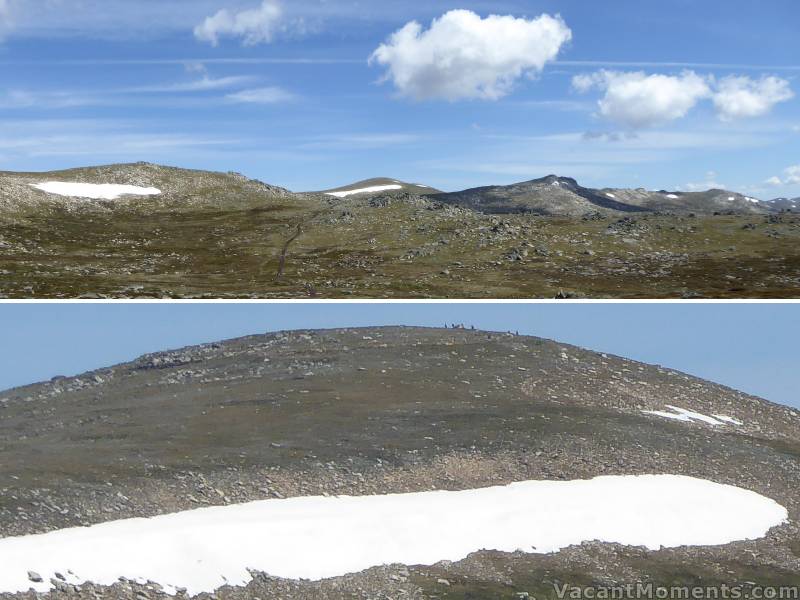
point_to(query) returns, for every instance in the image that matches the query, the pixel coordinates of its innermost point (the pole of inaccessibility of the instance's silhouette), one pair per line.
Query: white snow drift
(374, 188)
(689, 416)
(729, 420)
(317, 538)
(103, 191)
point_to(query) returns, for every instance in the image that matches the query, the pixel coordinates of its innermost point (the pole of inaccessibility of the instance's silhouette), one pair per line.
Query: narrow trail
(282, 263)
(298, 232)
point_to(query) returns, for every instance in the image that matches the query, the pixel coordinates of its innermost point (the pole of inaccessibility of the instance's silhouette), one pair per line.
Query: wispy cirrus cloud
(610, 64)
(154, 19)
(7, 20)
(22, 99)
(263, 95)
(95, 137)
(361, 141)
(90, 62)
(5, 13)
(254, 26)
(106, 19)
(204, 84)
(557, 105)
(604, 158)
(178, 91)
(651, 139)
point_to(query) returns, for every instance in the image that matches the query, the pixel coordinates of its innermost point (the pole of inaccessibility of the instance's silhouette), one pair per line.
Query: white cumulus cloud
(464, 56)
(791, 176)
(255, 26)
(743, 97)
(639, 100)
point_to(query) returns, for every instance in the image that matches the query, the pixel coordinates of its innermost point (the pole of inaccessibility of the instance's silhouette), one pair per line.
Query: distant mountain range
(554, 195)
(564, 196)
(780, 204)
(549, 196)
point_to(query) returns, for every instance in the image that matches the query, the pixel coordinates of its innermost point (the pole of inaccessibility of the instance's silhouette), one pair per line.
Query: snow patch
(753, 200)
(666, 415)
(731, 198)
(673, 196)
(730, 420)
(103, 191)
(374, 188)
(316, 537)
(682, 414)
(611, 196)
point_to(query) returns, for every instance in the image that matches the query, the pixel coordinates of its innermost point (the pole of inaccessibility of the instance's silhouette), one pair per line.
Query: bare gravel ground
(374, 411)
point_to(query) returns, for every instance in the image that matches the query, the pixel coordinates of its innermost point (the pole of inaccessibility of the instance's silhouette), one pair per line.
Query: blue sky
(748, 347)
(287, 94)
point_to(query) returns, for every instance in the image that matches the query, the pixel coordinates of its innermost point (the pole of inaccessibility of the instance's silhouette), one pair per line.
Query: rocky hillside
(382, 410)
(179, 188)
(562, 196)
(381, 186)
(784, 204)
(551, 195)
(190, 234)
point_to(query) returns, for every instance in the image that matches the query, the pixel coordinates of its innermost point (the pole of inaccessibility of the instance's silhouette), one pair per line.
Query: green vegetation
(216, 235)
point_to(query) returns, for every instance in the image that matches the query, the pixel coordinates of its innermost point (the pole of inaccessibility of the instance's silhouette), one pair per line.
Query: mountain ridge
(555, 195)
(383, 410)
(552, 195)
(784, 204)
(151, 358)
(380, 185)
